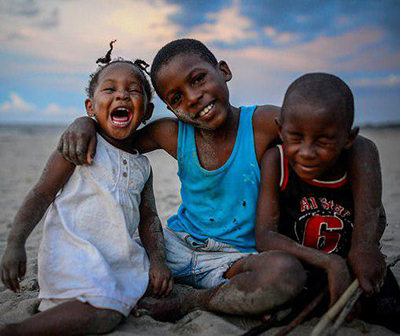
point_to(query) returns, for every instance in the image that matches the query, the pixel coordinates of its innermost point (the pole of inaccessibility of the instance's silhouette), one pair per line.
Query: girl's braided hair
(105, 61)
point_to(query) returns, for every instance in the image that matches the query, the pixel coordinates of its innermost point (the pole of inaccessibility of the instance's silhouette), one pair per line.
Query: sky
(48, 49)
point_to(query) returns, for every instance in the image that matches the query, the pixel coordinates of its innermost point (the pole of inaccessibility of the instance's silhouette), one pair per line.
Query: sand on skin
(23, 153)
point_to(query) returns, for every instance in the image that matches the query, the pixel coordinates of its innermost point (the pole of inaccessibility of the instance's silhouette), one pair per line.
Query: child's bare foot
(180, 302)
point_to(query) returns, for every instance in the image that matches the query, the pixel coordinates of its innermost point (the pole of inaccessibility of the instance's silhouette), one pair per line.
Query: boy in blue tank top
(210, 243)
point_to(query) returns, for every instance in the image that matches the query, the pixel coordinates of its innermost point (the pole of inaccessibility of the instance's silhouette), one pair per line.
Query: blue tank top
(219, 204)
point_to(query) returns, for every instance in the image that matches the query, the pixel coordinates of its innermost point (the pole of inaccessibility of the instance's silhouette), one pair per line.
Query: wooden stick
(346, 301)
(278, 321)
(328, 318)
(390, 262)
(346, 310)
(302, 316)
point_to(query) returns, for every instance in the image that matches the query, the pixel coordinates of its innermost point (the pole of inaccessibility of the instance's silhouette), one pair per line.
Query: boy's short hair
(323, 89)
(180, 47)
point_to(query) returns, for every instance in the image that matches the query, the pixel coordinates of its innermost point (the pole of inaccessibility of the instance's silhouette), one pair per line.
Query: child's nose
(307, 151)
(194, 96)
(122, 94)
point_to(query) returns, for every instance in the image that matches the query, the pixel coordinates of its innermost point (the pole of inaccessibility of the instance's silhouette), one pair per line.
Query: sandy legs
(69, 318)
(258, 284)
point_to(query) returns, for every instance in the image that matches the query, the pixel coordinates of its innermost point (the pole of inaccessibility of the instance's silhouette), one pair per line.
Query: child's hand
(13, 266)
(78, 143)
(338, 277)
(161, 280)
(368, 266)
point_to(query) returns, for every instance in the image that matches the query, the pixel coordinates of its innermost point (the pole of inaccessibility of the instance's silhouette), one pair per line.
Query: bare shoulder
(159, 134)
(265, 129)
(271, 158)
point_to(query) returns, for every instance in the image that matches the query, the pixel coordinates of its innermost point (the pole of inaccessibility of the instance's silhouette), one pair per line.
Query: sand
(23, 153)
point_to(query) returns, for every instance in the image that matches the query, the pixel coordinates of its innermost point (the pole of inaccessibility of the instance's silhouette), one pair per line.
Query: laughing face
(119, 102)
(314, 137)
(195, 90)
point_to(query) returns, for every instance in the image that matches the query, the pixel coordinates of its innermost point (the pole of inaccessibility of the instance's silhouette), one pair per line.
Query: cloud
(84, 30)
(229, 27)
(387, 81)
(51, 20)
(352, 51)
(26, 8)
(194, 12)
(16, 105)
(57, 110)
(280, 38)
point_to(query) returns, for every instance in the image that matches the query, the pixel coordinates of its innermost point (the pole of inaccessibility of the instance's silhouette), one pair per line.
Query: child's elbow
(264, 241)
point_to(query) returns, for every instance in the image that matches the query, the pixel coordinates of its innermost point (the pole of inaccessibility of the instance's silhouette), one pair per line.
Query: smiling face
(195, 90)
(119, 102)
(314, 137)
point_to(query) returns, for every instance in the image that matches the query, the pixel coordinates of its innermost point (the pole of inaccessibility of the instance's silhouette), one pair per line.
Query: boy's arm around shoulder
(265, 128)
(54, 176)
(78, 142)
(268, 238)
(365, 258)
(159, 134)
(152, 238)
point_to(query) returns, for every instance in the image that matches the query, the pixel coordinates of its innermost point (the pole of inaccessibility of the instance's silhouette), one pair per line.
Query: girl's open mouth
(121, 117)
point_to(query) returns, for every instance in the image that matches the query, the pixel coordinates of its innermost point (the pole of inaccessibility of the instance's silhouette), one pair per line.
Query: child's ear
(149, 111)
(89, 108)
(351, 137)
(278, 122)
(224, 68)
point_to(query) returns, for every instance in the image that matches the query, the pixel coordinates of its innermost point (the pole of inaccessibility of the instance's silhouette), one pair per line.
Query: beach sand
(23, 153)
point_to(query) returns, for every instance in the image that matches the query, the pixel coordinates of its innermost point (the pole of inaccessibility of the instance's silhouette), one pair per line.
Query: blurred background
(48, 48)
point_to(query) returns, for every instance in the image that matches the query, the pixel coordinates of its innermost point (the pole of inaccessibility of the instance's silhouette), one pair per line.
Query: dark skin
(314, 140)
(118, 87)
(196, 92)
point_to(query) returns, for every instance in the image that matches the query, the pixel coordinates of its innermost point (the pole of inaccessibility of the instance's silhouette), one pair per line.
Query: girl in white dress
(91, 269)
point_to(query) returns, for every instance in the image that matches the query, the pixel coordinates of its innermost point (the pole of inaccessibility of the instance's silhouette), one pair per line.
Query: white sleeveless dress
(87, 251)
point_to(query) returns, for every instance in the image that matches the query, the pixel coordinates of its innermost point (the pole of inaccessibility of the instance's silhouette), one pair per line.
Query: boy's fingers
(170, 287)
(82, 149)
(91, 150)
(164, 285)
(60, 145)
(156, 286)
(13, 272)
(22, 270)
(366, 286)
(72, 153)
(5, 276)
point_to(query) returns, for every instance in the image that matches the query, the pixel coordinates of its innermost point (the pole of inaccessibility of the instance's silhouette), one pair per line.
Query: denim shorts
(201, 264)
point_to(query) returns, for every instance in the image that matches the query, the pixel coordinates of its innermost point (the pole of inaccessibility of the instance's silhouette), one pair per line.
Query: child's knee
(9, 330)
(103, 321)
(281, 270)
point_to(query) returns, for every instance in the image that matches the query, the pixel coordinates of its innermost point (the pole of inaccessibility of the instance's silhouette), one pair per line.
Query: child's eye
(198, 78)
(294, 138)
(135, 91)
(175, 99)
(109, 89)
(324, 143)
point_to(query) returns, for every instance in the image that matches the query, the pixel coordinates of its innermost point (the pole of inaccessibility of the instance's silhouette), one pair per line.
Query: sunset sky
(48, 49)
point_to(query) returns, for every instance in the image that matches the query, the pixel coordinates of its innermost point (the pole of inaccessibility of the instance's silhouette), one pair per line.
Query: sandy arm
(54, 176)
(268, 238)
(365, 258)
(152, 237)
